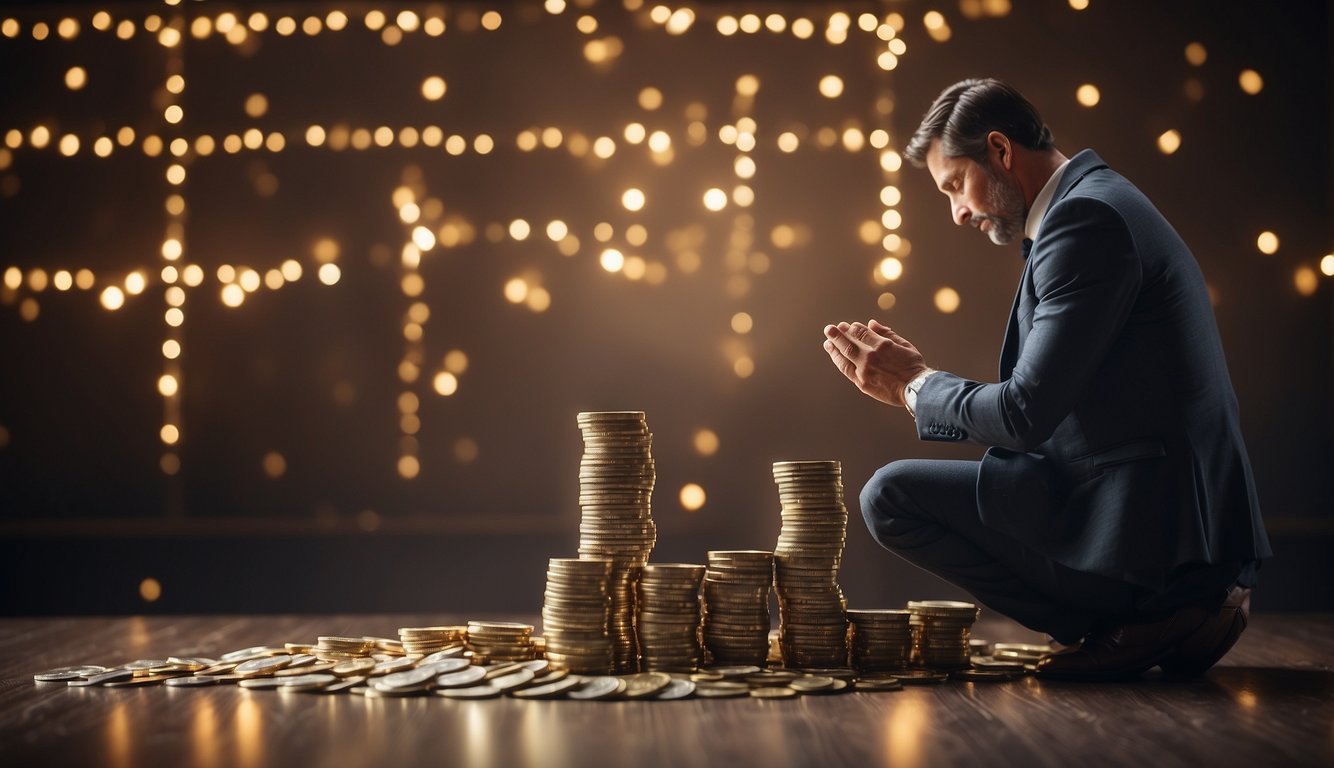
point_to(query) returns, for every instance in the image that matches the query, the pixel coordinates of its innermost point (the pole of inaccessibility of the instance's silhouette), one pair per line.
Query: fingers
(840, 337)
(841, 361)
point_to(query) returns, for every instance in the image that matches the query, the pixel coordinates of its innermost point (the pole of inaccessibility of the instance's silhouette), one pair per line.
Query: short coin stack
(424, 641)
(881, 639)
(941, 631)
(616, 478)
(813, 629)
(668, 619)
(493, 642)
(575, 609)
(331, 648)
(736, 606)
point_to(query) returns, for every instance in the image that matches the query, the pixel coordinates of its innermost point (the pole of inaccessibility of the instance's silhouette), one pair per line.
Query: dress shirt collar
(1042, 201)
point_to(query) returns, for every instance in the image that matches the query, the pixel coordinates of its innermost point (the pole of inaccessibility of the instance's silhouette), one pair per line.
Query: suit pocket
(1123, 454)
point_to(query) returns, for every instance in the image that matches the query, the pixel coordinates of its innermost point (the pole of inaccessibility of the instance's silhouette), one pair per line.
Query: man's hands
(878, 360)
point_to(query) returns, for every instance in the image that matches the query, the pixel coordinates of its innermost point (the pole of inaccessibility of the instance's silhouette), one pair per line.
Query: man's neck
(1034, 170)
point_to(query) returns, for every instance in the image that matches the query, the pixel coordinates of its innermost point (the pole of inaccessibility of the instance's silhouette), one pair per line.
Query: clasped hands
(875, 358)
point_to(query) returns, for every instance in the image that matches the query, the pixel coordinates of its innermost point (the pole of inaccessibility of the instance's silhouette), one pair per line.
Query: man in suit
(1114, 507)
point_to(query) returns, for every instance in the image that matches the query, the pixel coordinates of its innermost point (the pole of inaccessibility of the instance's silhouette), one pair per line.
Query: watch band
(910, 392)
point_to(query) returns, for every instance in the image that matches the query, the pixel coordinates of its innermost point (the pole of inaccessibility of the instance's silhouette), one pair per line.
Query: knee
(883, 502)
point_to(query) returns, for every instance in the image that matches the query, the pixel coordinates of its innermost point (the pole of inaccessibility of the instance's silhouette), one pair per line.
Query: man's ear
(998, 146)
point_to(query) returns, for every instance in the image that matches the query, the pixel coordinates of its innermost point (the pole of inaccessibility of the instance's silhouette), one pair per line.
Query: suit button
(935, 429)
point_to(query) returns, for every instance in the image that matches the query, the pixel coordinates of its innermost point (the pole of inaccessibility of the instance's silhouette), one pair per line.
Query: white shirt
(1042, 201)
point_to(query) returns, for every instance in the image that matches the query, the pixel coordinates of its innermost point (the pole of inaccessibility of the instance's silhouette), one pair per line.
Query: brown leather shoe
(1205, 646)
(1125, 651)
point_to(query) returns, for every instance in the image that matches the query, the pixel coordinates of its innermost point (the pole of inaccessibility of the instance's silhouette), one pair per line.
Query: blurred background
(300, 300)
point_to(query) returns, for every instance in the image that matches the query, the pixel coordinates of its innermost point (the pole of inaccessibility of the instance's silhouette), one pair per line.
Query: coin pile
(941, 631)
(882, 639)
(736, 606)
(668, 617)
(428, 640)
(616, 478)
(813, 629)
(500, 641)
(575, 610)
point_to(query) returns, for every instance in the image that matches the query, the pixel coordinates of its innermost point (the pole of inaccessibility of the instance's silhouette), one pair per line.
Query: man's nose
(961, 214)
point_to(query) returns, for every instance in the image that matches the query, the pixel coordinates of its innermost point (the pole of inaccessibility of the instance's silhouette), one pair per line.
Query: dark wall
(291, 486)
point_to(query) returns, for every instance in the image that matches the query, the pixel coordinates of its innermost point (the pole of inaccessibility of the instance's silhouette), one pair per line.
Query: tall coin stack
(575, 609)
(616, 479)
(882, 639)
(813, 629)
(736, 606)
(941, 630)
(668, 618)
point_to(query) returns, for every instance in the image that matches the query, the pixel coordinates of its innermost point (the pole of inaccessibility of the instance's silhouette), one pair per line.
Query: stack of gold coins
(616, 478)
(575, 610)
(882, 639)
(941, 630)
(736, 606)
(813, 630)
(500, 641)
(330, 648)
(423, 641)
(668, 618)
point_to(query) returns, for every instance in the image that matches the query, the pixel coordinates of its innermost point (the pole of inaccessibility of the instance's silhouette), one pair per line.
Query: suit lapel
(1081, 165)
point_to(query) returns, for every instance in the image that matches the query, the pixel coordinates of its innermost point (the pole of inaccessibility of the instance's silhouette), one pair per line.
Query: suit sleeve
(1086, 276)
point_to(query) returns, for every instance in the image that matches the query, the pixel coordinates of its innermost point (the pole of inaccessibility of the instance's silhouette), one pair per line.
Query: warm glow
(150, 589)
(706, 442)
(1327, 264)
(715, 199)
(233, 295)
(76, 78)
(171, 349)
(947, 300)
(1169, 142)
(1088, 95)
(1305, 280)
(1250, 81)
(170, 434)
(446, 383)
(1267, 242)
(329, 274)
(742, 322)
(612, 260)
(516, 290)
(408, 467)
(1079, 5)
(433, 88)
(1196, 54)
(275, 464)
(831, 86)
(632, 199)
(519, 229)
(891, 268)
(692, 497)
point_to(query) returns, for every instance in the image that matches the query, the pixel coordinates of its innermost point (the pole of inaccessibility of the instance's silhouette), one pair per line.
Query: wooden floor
(1271, 702)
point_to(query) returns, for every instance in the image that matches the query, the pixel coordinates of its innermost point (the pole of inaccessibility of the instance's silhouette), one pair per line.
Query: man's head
(969, 140)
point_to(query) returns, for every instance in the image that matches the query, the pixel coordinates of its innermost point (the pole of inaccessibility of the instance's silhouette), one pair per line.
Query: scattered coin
(552, 690)
(773, 693)
(676, 689)
(920, 677)
(102, 678)
(600, 687)
(462, 678)
(62, 674)
(888, 684)
(474, 692)
(982, 675)
(190, 682)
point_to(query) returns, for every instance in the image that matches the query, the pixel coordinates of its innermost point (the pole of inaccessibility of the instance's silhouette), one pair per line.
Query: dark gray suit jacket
(1116, 443)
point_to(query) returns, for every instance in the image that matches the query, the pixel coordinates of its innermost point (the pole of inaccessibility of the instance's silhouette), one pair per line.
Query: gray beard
(1007, 202)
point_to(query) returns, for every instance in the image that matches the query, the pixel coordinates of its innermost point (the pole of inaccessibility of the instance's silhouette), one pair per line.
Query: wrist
(911, 389)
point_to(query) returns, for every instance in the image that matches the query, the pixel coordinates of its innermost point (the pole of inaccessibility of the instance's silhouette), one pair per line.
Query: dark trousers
(926, 512)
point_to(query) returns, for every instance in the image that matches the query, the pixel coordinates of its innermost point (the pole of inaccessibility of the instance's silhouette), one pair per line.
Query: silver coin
(411, 678)
(513, 680)
(462, 678)
(473, 692)
(263, 665)
(676, 689)
(445, 666)
(389, 666)
(550, 690)
(452, 652)
(598, 688)
(262, 683)
(302, 682)
(61, 674)
(190, 682)
(102, 678)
